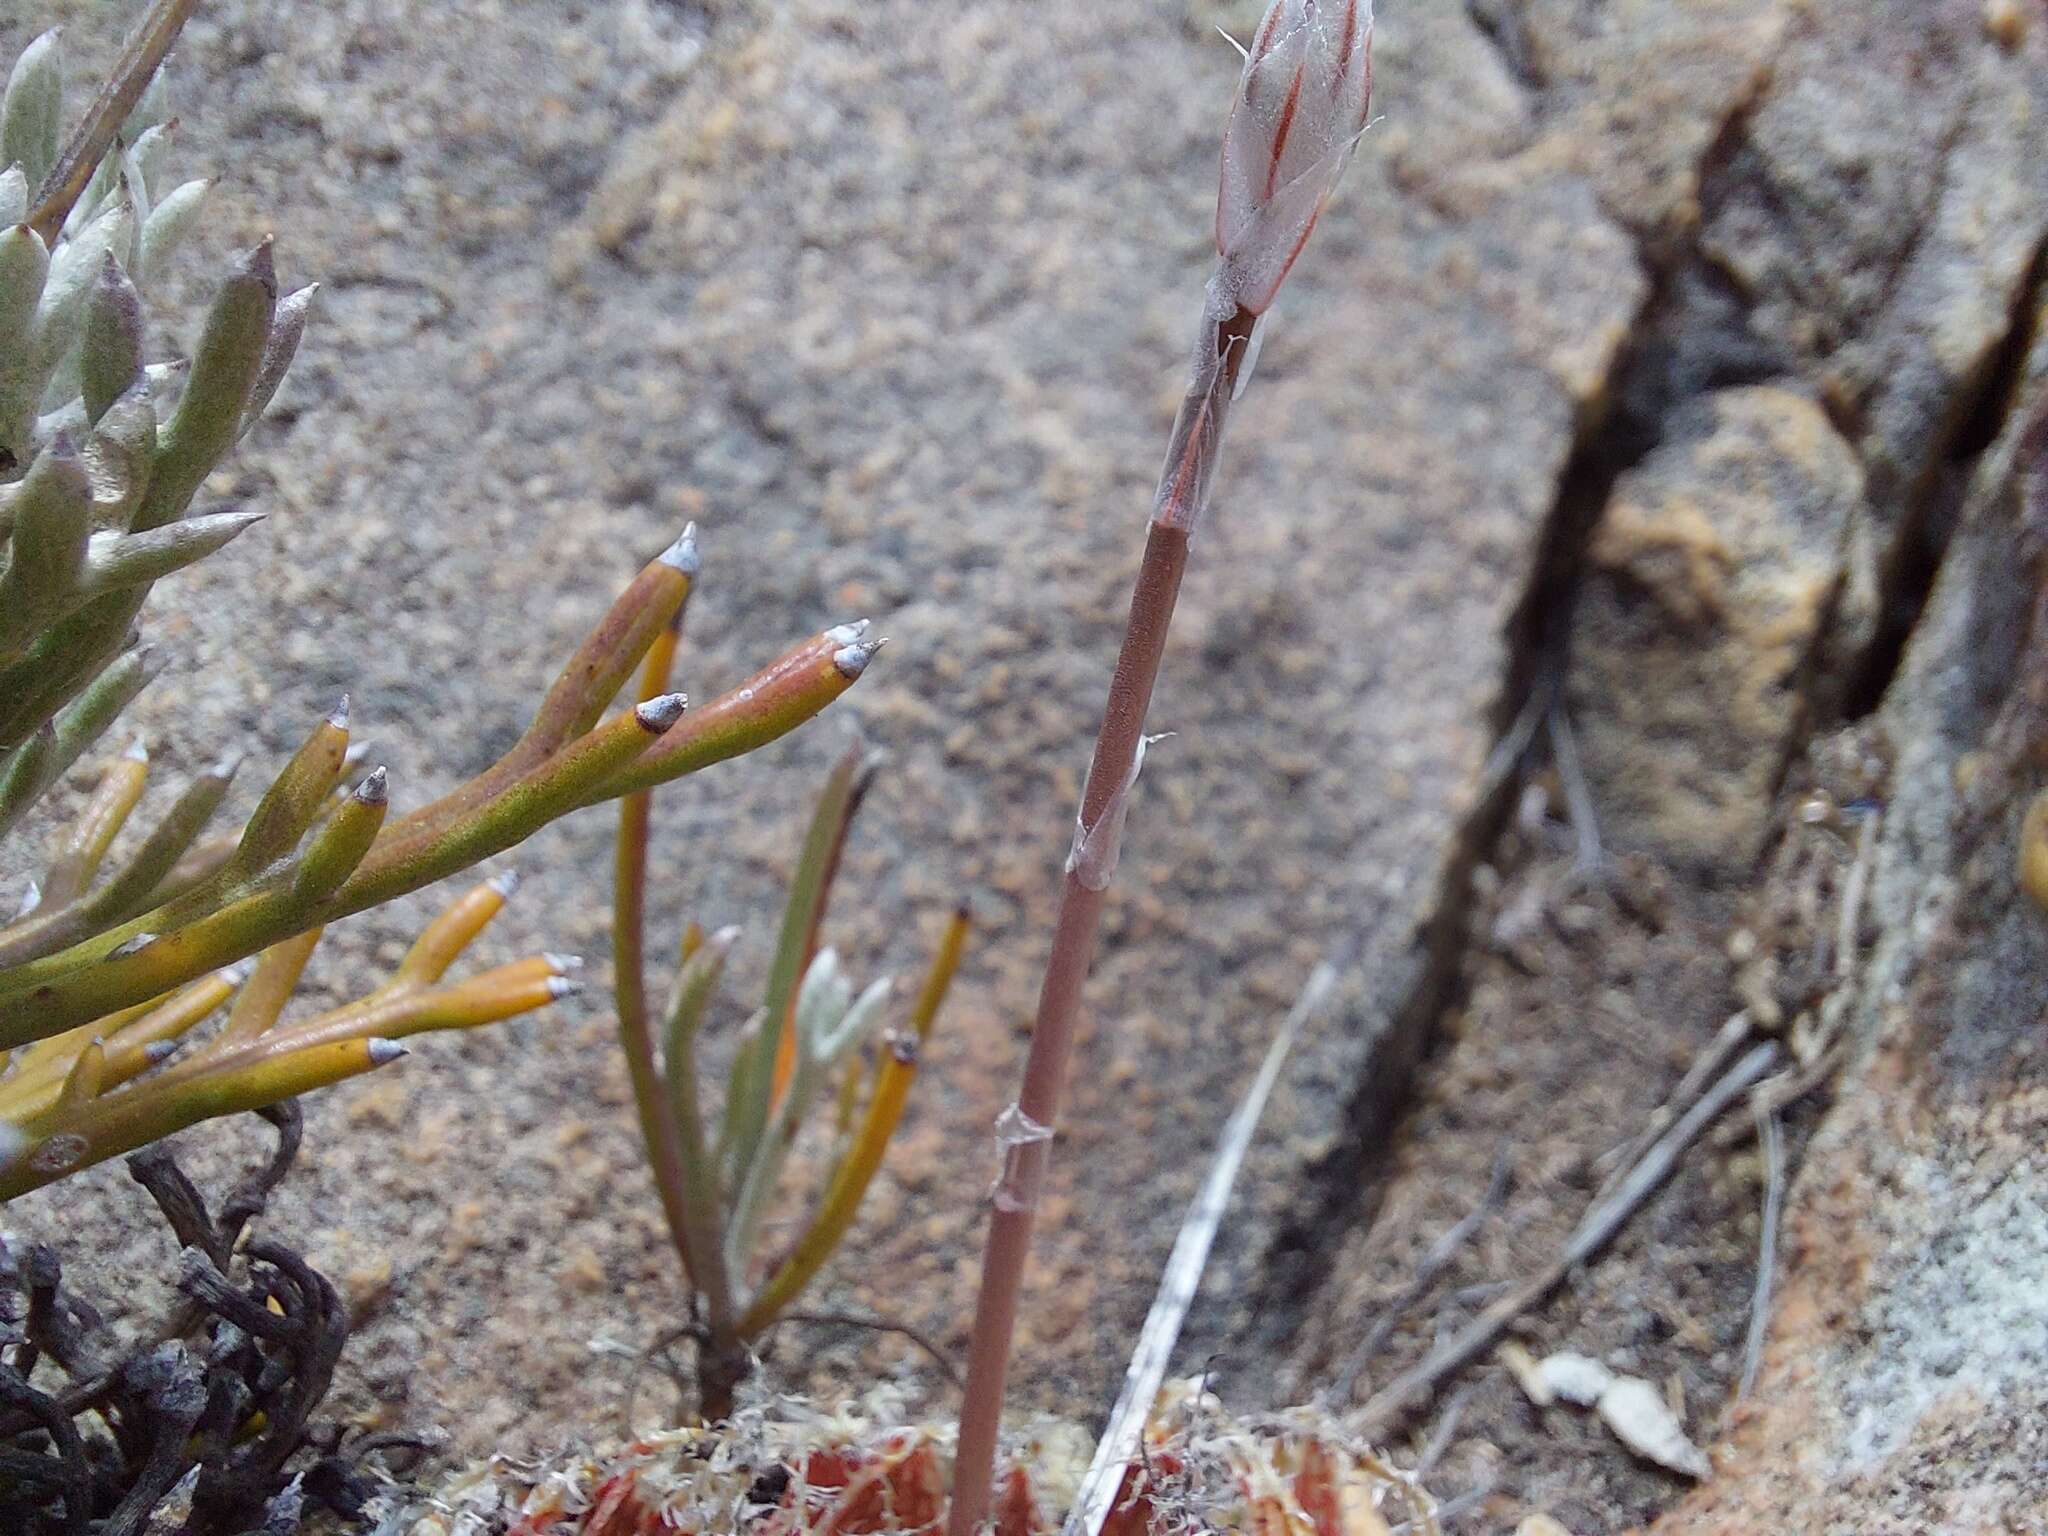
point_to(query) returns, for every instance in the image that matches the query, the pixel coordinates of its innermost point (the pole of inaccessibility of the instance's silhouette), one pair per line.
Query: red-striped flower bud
(1301, 106)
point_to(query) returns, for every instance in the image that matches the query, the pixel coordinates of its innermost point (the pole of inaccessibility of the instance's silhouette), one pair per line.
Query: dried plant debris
(201, 1425)
(1629, 1406)
(784, 1469)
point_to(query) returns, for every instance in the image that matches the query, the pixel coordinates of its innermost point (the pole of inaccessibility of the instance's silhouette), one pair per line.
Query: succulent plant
(809, 1029)
(128, 946)
(101, 454)
(112, 964)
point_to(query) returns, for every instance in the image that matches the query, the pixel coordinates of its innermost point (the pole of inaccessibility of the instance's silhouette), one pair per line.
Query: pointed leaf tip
(376, 788)
(852, 660)
(383, 1052)
(658, 714)
(683, 553)
(260, 263)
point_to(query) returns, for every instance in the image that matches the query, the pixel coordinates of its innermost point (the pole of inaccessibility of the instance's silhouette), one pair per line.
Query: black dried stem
(228, 1386)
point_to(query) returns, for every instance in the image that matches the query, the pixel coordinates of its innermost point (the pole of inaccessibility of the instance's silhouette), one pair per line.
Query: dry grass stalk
(1595, 1230)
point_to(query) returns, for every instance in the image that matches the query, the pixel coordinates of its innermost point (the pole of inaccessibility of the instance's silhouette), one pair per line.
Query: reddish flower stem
(1197, 439)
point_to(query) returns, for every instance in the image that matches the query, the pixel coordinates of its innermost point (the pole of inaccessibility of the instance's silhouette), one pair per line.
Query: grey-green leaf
(121, 560)
(286, 331)
(32, 114)
(13, 196)
(110, 352)
(24, 265)
(168, 224)
(224, 368)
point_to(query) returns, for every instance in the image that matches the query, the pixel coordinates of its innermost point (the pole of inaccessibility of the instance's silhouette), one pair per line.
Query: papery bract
(1301, 105)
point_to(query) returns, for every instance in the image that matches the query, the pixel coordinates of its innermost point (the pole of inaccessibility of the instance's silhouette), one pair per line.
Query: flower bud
(1301, 106)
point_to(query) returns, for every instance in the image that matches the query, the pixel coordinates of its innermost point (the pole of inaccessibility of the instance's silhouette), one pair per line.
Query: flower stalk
(1301, 103)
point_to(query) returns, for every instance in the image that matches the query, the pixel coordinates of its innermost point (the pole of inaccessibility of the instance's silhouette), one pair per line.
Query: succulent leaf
(31, 112)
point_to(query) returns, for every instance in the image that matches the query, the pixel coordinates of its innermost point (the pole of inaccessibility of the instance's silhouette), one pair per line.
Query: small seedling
(799, 1053)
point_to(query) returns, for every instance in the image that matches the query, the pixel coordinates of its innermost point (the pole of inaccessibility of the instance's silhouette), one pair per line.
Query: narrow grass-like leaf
(826, 1034)
(658, 1131)
(754, 1072)
(702, 1200)
(844, 1194)
(93, 831)
(1182, 1277)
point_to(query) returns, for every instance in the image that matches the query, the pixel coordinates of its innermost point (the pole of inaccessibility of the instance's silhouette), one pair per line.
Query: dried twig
(1182, 1277)
(1707, 1066)
(1780, 1094)
(924, 1341)
(1850, 920)
(1445, 1434)
(1767, 1249)
(140, 57)
(1451, 1509)
(1594, 1231)
(1578, 794)
(208, 1410)
(1433, 1264)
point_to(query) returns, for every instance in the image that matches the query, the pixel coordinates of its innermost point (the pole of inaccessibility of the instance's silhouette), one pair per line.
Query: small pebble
(2005, 22)
(2034, 851)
